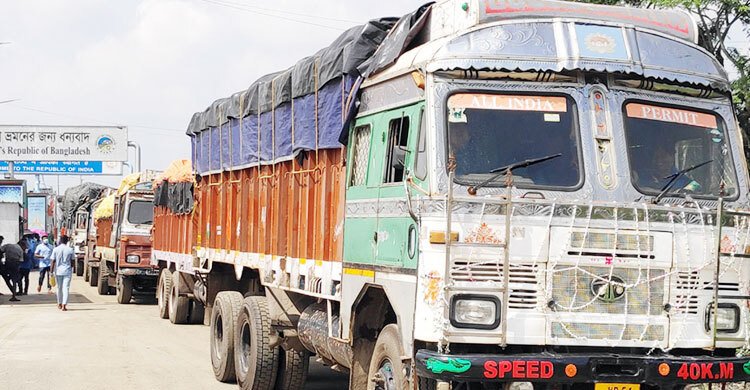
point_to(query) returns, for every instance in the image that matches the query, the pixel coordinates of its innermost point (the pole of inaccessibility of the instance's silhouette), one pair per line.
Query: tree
(716, 19)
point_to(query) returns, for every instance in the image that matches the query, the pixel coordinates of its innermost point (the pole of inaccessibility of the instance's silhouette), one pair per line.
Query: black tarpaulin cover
(78, 196)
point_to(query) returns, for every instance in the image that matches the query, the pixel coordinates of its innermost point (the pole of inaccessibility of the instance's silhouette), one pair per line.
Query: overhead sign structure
(63, 143)
(64, 167)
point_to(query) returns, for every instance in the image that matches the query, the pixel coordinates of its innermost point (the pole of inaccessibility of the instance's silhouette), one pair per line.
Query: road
(98, 344)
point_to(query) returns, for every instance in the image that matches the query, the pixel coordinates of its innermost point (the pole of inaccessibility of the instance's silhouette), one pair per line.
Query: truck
(76, 208)
(123, 240)
(483, 194)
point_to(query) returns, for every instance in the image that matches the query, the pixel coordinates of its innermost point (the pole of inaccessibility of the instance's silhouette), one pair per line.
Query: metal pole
(11, 169)
(125, 163)
(137, 147)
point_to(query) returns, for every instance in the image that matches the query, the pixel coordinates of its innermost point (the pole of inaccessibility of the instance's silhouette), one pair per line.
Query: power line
(248, 6)
(164, 130)
(219, 3)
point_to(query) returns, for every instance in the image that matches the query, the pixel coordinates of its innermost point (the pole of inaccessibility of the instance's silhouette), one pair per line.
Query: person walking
(13, 257)
(62, 268)
(43, 254)
(25, 268)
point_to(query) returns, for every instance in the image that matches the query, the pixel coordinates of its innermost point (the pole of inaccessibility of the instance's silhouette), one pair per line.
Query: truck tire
(79, 267)
(103, 287)
(124, 289)
(163, 291)
(86, 273)
(386, 365)
(93, 276)
(293, 367)
(255, 362)
(178, 306)
(197, 312)
(227, 306)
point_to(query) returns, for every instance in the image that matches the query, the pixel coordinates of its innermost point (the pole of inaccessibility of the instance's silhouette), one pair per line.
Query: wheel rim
(218, 336)
(384, 379)
(246, 346)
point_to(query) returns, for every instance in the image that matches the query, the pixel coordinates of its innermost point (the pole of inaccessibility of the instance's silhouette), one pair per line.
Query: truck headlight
(133, 259)
(727, 318)
(475, 311)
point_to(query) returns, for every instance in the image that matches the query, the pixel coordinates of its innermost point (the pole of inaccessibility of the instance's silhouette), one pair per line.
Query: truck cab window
(490, 131)
(360, 156)
(140, 212)
(420, 159)
(398, 137)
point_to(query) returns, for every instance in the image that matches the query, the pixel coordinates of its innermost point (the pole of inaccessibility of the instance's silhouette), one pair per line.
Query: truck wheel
(178, 306)
(427, 384)
(162, 293)
(93, 276)
(197, 312)
(79, 268)
(292, 373)
(103, 287)
(86, 274)
(124, 289)
(256, 363)
(387, 370)
(227, 306)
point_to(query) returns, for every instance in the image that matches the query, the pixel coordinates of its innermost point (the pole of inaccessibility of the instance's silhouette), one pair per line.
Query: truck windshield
(663, 141)
(487, 131)
(141, 212)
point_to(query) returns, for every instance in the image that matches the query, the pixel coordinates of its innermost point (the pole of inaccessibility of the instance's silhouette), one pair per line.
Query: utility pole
(137, 147)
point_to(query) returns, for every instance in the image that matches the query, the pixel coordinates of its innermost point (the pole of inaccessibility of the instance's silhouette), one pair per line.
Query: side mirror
(398, 160)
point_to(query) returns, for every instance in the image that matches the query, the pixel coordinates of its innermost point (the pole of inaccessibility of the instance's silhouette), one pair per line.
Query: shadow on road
(41, 299)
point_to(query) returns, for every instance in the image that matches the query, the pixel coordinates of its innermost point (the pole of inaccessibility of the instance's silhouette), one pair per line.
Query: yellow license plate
(616, 386)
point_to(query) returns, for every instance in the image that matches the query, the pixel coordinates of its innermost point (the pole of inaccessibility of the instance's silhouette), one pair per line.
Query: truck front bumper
(139, 272)
(663, 371)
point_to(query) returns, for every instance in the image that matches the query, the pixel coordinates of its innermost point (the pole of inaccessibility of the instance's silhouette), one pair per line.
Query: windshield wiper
(502, 170)
(673, 179)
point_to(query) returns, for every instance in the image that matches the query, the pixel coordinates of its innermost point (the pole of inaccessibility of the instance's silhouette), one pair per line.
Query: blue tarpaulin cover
(301, 108)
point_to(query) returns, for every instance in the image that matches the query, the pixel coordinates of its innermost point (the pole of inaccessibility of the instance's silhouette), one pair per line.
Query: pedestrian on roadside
(43, 254)
(62, 268)
(25, 268)
(13, 257)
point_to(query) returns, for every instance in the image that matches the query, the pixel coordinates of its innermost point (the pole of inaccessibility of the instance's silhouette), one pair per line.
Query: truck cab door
(397, 132)
(360, 223)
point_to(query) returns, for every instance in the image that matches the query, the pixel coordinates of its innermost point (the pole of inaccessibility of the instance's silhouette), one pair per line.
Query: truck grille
(572, 290)
(523, 279)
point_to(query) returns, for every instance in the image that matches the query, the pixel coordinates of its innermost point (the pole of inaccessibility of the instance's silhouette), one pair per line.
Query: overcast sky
(150, 64)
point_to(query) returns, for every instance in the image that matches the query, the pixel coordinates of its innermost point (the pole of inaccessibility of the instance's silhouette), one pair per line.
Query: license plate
(616, 386)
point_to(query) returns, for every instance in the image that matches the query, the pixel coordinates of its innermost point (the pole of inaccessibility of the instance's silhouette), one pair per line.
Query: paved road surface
(99, 344)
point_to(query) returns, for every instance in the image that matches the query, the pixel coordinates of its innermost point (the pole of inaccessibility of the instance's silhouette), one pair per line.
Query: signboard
(12, 191)
(63, 143)
(37, 213)
(64, 167)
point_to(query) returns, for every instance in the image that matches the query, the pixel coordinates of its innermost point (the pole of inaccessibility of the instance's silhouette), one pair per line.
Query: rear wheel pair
(178, 308)
(240, 346)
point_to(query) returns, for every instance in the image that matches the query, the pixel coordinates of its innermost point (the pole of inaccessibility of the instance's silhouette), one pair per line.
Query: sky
(150, 64)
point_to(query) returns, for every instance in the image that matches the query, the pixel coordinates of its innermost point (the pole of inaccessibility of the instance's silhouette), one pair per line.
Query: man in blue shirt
(62, 267)
(43, 254)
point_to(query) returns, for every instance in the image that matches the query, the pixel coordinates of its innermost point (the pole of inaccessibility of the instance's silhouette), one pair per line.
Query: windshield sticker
(672, 115)
(508, 102)
(457, 115)
(551, 117)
